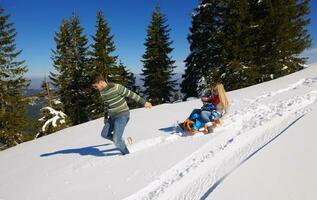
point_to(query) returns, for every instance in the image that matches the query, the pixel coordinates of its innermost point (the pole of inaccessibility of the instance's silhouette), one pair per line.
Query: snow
(267, 132)
(56, 101)
(244, 67)
(204, 5)
(58, 117)
(191, 98)
(254, 26)
(292, 165)
(284, 67)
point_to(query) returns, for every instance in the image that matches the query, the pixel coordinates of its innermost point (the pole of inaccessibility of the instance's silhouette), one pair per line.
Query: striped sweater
(114, 99)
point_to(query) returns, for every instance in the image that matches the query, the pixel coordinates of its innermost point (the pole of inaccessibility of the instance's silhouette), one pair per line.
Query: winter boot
(109, 137)
(124, 151)
(209, 128)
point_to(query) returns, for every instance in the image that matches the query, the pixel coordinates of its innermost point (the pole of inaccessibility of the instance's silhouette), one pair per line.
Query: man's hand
(105, 120)
(148, 105)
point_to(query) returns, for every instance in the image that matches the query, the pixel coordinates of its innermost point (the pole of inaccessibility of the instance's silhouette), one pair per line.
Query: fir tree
(72, 77)
(61, 62)
(61, 56)
(206, 46)
(103, 47)
(130, 80)
(157, 65)
(12, 85)
(53, 117)
(241, 43)
(46, 93)
(80, 85)
(127, 79)
(283, 36)
(239, 38)
(102, 61)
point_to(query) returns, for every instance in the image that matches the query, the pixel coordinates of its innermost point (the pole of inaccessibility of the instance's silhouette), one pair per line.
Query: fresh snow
(58, 117)
(254, 26)
(79, 164)
(285, 169)
(284, 67)
(204, 5)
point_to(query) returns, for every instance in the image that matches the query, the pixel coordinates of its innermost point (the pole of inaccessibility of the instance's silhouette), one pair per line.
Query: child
(215, 106)
(117, 109)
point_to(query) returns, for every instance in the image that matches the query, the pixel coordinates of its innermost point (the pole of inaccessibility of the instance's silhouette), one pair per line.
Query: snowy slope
(76, 163)
(285, 169)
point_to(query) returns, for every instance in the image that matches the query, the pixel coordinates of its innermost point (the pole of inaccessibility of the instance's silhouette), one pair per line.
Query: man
(116, 110)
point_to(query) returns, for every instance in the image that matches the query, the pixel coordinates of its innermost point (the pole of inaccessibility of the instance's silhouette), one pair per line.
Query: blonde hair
(224, 102)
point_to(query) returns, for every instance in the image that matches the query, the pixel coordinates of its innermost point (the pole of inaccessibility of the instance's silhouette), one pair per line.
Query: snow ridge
(299, 83)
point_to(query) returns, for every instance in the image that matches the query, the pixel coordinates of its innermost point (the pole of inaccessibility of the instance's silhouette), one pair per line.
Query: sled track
(250, 129)
(145, 144)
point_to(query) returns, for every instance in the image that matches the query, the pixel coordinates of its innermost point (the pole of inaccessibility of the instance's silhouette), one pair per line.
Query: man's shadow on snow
(87, 151)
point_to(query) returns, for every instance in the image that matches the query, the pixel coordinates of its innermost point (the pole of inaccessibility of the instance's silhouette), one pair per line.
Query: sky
(36, 22)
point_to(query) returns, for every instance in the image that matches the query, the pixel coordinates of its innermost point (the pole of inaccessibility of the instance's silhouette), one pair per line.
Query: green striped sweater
(114, 99)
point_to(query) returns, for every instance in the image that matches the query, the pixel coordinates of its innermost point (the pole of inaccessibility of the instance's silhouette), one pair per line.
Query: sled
(186, 127)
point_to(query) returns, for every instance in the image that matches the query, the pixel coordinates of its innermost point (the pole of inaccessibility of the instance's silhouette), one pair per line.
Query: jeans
(116, 125)
(205, 115)
(208, 116)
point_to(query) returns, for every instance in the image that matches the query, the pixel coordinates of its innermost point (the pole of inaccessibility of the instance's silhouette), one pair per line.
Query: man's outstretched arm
(125, 92)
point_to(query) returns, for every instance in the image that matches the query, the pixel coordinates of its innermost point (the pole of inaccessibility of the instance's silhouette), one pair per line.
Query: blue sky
(37, 21)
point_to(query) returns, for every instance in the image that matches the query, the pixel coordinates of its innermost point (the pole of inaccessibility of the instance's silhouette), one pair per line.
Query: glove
(105, 120)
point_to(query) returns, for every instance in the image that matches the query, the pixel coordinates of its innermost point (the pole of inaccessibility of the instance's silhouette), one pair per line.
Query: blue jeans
(205, 115)
(208, 116)
(116, 125)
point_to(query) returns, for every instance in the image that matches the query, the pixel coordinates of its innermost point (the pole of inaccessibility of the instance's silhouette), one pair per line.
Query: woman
(215, 106)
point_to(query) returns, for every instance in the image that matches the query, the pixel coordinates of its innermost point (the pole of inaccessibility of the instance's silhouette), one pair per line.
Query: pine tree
(61, 56)
(53, 117)
(79, 85)
(103, 47)
(119, 74)
(241, 43)
(61, 62)
(102, 61)
(127, 79)
(130, 80)
(239, 39)
(283, 36)
(71, 63)
(46, 93)
(206, 46)
(157, 65)
(52, 121)
(13, 122)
